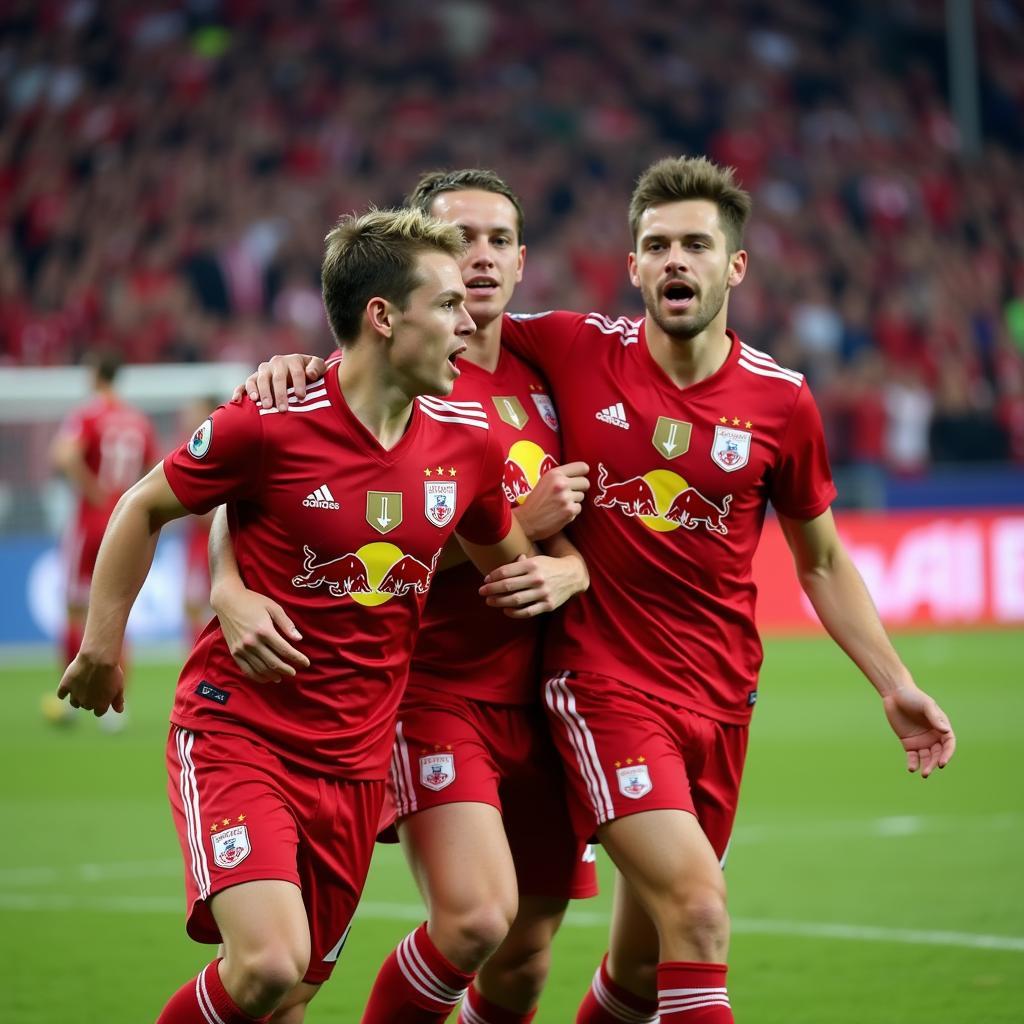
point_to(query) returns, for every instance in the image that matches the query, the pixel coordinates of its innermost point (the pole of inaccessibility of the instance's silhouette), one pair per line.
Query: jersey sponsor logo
(671, 438)
(613, 414)
(439, 499)
(231, 846)
(525, 465)
(730, 449)
(546, 408)
(663, 501)
(199, 442)
(321, 498)
(437, 771)
(384, 510)
(634, 781)
(370, 576)
(511, 411)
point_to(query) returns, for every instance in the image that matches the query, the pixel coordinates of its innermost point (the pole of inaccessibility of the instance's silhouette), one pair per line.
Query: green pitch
(860, 894)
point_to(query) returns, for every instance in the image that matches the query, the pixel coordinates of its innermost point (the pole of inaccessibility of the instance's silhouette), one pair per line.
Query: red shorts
(626, 752)
(81, 545)
(243, 815)
(449, 749)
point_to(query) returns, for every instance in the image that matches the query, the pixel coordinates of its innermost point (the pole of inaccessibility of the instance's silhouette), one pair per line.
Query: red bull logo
(370, 576)
(343, 575)
(663, 501)
(525, 465)
(635, 497)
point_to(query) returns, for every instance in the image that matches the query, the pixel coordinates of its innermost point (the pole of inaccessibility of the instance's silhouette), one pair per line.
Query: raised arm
(94, 679)
(256, 629)
(837, 592)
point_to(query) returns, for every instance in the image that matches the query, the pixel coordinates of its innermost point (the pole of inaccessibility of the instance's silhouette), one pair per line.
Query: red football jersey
(466, 647)
(118, 444)
(680, 480)
(344, 535)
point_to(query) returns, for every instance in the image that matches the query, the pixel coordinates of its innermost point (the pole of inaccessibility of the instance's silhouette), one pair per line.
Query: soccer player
(277, 791)
(102, 449)
(652, 673)
(479, 787)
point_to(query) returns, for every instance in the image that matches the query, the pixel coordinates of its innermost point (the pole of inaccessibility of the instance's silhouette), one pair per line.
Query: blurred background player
(102, 448)
(277, 791)
(196, 542)
(472, 710)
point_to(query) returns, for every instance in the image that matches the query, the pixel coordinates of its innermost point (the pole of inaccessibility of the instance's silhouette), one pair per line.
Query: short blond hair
(676, 179)
(375, 255)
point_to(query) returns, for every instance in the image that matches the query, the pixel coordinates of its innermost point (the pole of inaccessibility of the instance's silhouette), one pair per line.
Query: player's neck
(688, 361)
(483, 347)
(380, 405)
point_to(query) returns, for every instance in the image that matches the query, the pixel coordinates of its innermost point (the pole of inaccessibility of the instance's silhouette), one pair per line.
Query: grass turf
(860, 895)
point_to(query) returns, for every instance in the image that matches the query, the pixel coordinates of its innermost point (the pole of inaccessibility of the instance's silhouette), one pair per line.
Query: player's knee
(266, 976)
(704, 919)
(475, 934)
(527, 973)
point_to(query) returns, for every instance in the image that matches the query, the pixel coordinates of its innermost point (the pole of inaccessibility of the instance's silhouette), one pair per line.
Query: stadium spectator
(277, 791)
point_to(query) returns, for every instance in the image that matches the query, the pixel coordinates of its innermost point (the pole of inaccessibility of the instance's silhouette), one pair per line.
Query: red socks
(415, 985)
(204, 1000)
(477, 1010)
(608, 1002)
(690, 993)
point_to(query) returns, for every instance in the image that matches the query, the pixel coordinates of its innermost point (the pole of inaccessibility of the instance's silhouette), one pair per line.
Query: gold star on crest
(214, 827)
(618, 764)
(226, 822)
(641, 760)
(735, 421)
(426, 472)
(241, 818)
(440, 470)
(723, 419)
(451, 471)
(748, 424)
(629, 760)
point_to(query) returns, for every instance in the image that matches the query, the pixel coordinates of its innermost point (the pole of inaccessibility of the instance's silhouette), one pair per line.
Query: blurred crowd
(168, 171)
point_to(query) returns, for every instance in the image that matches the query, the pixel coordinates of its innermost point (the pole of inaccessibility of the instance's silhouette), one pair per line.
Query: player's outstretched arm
(555, 502)
(94, 679)
(256, 629)
(269, 384)
(837, 592)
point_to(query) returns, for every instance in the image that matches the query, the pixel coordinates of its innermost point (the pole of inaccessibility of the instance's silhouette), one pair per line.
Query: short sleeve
(802, 486)
(488, 518)
(221, 461)
(544, 339)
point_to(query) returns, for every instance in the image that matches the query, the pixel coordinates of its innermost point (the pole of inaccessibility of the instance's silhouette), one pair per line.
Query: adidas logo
(320, 498)
(615, 415)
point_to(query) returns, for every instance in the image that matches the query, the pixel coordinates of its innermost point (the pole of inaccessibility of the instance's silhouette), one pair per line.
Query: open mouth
(479, 285)
(454, 355)
(678, 294)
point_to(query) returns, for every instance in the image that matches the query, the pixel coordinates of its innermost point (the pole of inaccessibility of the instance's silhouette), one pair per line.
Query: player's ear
(634, 277)
(379, 316)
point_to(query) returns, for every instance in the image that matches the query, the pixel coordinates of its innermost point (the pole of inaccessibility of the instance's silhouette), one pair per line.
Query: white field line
(411, 912)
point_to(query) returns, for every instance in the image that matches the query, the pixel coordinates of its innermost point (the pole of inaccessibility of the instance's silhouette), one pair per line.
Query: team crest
(671, 438)
(730, 449)
(546, 409)
(437, 771)
(439, 501)
(384, 510)
(199, 442)
(231, 846)
(510, 410)
(634, 781)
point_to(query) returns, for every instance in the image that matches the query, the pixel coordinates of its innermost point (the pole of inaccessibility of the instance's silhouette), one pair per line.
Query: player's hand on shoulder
(270, 383)
(922, 727)
(93, 684)
(534, 584)
(556, 500)
(257, 631)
